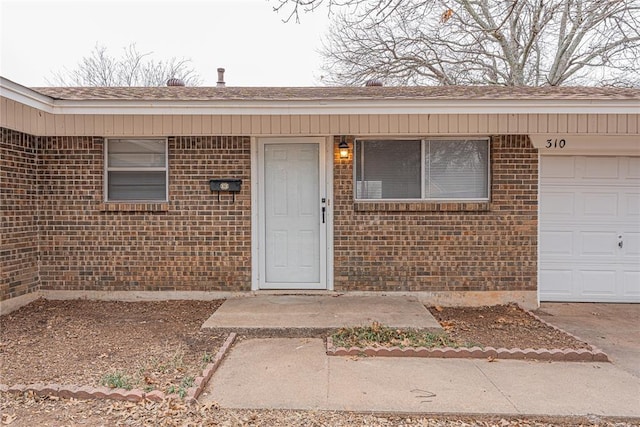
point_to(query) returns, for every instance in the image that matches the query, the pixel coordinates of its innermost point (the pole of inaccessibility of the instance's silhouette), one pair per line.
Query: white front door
(292, 213)
(590, 229)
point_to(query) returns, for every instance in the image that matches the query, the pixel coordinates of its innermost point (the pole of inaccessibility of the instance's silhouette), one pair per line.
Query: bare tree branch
(133, 68)
(504, 42)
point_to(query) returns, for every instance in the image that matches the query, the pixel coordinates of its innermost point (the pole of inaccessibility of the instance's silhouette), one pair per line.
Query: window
(136, 169)
(431, 169)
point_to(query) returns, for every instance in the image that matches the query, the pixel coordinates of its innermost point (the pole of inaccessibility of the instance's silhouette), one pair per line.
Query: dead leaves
(446, 15)
(505, 326)
(8, 419)
(149, 380)
(448, 324)
(79, 342)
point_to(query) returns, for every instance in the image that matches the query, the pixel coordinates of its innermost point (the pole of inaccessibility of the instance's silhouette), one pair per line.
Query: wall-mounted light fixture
(344, 148)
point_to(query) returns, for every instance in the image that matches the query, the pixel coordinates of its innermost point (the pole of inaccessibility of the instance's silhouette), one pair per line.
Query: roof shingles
(177, 93)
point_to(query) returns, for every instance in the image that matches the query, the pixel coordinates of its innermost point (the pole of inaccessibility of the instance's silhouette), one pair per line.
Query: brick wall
(194, 242)
(443, 246)
(18, 214)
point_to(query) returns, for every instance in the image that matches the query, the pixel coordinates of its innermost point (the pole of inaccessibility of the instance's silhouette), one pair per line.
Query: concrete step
(320, 312)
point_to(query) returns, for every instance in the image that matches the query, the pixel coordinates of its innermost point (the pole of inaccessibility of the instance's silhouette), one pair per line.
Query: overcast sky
(244, 36)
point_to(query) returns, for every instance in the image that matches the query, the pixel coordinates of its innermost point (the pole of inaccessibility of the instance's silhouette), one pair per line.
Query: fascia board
(327, 107)
(25, 96)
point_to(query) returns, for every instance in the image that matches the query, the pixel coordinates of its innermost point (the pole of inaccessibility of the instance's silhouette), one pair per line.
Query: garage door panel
(597, 282)
(632, 168)
(558, 167)
(631, 205)
(559, 204)
(601, 244)
(601, 168)
(631, 245)
(588, 205)
(600, 204)
(557, 243)
(631, 280)
(562, 278)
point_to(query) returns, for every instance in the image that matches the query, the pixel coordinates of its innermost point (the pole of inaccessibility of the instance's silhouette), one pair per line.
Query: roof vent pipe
(373, 82)
(220, 82)
(175, 82)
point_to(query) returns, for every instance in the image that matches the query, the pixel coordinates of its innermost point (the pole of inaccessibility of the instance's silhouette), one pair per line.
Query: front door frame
(257, 225)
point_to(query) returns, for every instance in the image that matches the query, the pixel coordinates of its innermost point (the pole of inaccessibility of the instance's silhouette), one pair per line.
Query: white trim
(423, 143)
(29, 97)
(259, 208)
(255, 218)
(258, 226)
(325, 107)
(24, 95)
(423, 170)
(330, 202)
(538, 229)
(107, 169)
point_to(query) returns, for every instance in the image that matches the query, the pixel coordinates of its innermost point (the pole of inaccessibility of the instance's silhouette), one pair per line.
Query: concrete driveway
(615, 328)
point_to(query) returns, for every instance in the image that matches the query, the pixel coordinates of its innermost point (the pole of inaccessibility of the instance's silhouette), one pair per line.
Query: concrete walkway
(320, 312)
(615, 328)
(295, 373)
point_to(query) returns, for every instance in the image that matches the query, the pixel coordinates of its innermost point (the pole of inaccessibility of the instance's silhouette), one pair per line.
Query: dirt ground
(28, 411)
(157, 345)
(146, 345)
(506, 326)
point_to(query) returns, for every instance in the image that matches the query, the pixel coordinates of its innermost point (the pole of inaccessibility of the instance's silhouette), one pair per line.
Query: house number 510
(556, 143)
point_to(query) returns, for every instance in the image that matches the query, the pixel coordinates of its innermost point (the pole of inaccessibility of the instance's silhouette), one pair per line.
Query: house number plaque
(556, 143)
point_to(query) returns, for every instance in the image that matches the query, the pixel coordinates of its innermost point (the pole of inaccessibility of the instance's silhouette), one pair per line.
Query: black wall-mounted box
(231, 185)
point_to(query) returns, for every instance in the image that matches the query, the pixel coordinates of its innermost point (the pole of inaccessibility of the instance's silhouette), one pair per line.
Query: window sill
(422, 206)
(134, 207)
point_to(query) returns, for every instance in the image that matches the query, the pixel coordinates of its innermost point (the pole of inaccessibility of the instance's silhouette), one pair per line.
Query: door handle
(324, 210)
(620, 242)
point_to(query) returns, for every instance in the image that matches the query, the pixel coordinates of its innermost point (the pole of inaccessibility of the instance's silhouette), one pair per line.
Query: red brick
(433, 246)
(195, 242)
(19, 211)
(155, 396)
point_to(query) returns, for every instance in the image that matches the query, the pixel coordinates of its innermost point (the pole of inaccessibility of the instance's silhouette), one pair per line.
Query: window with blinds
(431, 169)
(136, 169)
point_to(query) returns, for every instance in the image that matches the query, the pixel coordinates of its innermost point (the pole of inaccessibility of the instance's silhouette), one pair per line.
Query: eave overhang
(31, 98)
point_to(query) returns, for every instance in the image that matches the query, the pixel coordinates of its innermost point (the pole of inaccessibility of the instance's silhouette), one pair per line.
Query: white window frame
(423, 151)
(108, 169)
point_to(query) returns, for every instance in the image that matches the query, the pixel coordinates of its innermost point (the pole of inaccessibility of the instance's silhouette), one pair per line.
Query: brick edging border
(593, 354)
(135, 395)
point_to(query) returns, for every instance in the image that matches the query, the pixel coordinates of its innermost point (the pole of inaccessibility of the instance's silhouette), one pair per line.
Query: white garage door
(590, 229)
